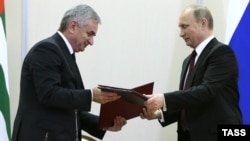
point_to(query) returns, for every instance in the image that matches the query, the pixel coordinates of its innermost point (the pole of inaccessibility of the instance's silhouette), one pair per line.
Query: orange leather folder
(129, 106)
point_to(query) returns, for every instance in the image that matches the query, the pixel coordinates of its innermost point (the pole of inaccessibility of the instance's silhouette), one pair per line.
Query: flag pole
(24, 29)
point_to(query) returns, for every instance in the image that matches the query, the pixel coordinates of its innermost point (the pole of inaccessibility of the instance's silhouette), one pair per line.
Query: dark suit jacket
(53, 102)
(213, 97)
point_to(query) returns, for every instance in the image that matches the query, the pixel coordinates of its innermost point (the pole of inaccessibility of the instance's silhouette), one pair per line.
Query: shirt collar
(71, 51)
(201, 46)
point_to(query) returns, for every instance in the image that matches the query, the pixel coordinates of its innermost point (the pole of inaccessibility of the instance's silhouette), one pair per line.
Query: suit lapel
(69, 60)
(184, 71)
(200, 60)
(205, 53)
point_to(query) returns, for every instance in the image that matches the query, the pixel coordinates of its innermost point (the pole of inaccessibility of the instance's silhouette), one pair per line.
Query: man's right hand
(150, 115)
(103, 97)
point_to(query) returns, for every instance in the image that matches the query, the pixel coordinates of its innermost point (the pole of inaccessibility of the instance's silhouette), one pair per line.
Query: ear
(72, 26)
(204, 22)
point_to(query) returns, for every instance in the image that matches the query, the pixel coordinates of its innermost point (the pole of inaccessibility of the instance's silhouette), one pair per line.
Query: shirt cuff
(164, 106)
(91, 94)
(162, 116)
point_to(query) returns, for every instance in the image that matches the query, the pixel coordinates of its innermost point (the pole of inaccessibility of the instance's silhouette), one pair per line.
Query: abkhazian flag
(4, 87)
(237, 36)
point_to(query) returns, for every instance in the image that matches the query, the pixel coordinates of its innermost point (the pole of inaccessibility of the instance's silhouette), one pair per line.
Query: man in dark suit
(54, 105)
(211, 95)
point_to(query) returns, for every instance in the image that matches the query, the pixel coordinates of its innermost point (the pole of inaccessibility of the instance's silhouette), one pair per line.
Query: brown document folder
(129, 106)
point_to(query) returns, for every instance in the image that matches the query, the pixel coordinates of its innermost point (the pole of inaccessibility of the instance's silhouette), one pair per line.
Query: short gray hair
(81, 13)
(200, 11)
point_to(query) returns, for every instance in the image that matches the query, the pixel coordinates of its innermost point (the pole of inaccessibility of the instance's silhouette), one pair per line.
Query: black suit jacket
(213, 97)
(53, 103)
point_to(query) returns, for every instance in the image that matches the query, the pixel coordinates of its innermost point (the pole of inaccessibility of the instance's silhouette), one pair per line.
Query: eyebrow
(182, 24)
(92, 33)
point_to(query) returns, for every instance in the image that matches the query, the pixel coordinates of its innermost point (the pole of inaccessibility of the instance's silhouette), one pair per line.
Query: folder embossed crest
(129, 106)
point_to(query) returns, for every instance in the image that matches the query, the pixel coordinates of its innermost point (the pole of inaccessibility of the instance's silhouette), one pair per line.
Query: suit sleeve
(169, 118)
(89, 123)
(54, 79)
(214, 76)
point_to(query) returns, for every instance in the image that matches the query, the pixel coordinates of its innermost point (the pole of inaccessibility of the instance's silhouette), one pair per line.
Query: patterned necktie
(190, 71)
(187, 85)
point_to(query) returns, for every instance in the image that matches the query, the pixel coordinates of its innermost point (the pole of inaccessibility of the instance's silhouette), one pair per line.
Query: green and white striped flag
(4, 87)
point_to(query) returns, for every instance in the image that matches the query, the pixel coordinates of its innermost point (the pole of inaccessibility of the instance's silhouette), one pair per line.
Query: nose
(181, 33)
(91, 41)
